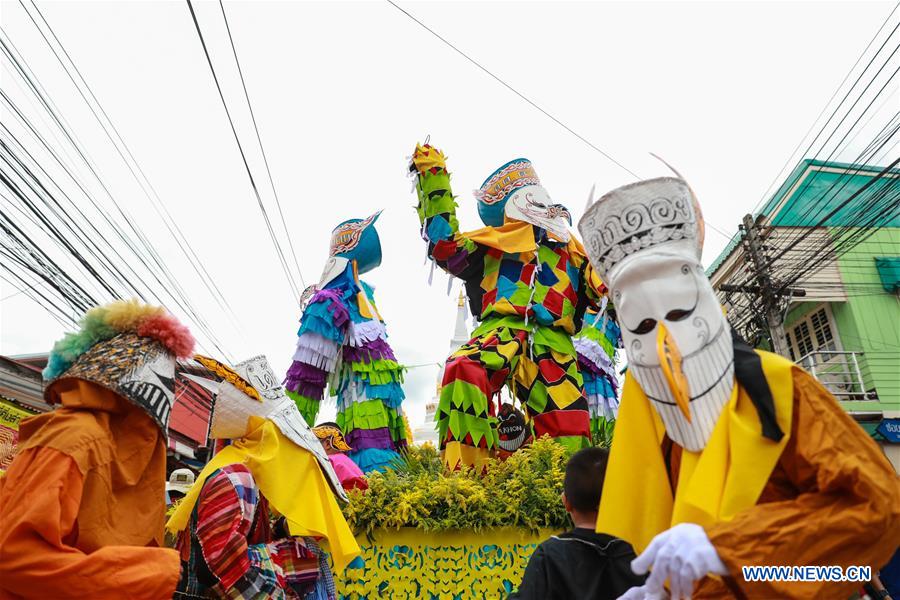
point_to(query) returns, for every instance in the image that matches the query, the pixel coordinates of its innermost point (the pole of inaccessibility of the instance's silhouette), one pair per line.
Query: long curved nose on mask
(670, 361)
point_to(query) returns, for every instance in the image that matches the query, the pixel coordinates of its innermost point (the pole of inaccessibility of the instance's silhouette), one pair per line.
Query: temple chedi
(427, 431)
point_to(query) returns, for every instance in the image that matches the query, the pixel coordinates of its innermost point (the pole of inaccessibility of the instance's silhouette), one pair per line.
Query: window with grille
(814, 333)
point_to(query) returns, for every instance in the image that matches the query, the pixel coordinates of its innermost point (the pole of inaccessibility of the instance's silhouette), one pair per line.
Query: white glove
(644, 593)
(683, 555)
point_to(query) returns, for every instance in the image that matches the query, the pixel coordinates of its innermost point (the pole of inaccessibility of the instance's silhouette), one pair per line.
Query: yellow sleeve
(839, 503)
(40, 499)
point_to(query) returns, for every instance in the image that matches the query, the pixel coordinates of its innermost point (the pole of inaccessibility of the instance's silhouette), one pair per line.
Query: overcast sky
(342, 91)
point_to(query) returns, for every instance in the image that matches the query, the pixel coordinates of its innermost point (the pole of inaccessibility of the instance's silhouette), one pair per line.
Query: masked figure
(596, 343)
(335, 446)
(343, 340)
(83, 502)
(529, 283)
(743, 458)
(230, 542)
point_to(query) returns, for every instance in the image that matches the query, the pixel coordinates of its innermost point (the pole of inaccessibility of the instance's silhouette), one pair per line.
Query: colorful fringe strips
(546, 381)
(596, 345)
(337, 344)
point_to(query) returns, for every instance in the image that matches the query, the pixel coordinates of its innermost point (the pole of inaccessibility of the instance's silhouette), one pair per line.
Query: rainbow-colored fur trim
(122, 316)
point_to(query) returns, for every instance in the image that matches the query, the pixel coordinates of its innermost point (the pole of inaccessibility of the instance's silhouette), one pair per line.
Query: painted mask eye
(679, 314)
(645, 326)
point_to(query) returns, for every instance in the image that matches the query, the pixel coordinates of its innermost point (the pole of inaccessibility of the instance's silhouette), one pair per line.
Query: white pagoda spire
(428, 430)
(461, 331)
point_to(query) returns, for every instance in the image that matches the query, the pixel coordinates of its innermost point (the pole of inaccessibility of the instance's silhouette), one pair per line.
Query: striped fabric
(228, 551)
(300, 565)
(225, 512)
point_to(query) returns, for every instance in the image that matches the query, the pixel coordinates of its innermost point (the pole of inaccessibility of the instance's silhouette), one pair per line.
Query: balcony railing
(839, 373)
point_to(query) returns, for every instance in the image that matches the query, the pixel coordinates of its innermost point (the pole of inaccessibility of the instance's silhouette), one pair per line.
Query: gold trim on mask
(229, 375)
(332, 434)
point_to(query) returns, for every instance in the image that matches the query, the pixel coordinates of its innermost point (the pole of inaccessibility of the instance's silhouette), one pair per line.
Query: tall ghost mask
(353, 240)
(514, 192)
(645, 239)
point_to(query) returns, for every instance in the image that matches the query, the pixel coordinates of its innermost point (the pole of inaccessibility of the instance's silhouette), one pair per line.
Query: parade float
(426, 532)
(461, 519)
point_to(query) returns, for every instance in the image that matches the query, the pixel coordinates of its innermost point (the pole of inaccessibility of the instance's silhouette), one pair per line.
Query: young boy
(580, 563)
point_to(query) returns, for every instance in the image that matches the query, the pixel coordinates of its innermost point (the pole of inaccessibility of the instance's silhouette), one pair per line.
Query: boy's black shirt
(579, 564)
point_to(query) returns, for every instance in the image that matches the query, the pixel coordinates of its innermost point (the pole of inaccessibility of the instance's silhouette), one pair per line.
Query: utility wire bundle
(795, 254)
(67, 242)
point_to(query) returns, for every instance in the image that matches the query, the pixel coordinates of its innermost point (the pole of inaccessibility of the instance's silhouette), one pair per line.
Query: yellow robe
(829, 496)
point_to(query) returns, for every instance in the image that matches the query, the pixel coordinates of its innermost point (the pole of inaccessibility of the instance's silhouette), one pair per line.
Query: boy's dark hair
(584, 478)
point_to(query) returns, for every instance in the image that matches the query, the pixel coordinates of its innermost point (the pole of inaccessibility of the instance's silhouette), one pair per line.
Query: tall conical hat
(251, 389)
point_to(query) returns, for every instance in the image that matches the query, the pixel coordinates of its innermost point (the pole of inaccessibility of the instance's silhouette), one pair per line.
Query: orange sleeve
(846, 511)
(39, 503)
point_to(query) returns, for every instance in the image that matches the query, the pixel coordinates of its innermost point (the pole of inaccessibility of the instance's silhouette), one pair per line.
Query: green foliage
(523, 491)
(602, 432)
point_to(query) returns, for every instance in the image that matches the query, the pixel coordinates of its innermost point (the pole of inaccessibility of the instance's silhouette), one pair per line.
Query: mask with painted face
(251, 389)
(531, 207)
(514, 193)
(645, 241)
(357, 239)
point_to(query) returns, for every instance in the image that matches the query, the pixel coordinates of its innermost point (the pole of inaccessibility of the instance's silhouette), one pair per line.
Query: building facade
(845, 330)
(22, 396)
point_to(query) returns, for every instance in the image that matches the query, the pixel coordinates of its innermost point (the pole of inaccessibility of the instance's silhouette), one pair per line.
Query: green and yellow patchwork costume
(529, 283)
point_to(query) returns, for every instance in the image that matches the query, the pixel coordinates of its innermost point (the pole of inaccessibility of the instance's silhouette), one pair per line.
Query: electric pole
(765, 288)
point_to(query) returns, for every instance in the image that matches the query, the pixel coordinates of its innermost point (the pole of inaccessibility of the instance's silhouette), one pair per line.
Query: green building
(846, 329)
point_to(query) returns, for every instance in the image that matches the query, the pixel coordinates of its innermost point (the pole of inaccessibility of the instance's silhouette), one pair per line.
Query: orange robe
(833, 499)
(82, 506)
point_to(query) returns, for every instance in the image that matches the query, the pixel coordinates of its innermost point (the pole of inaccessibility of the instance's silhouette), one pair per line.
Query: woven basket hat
(252, 390)
(127, 347)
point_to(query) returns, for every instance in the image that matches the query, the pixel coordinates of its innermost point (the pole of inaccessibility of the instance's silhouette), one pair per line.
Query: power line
(237, 139)
(824, 108)
(66, 321)
(287, 231)
(815, 208)
(42, 193)
(155, 202)
(152, 195)
(513, 90)
(810, 180)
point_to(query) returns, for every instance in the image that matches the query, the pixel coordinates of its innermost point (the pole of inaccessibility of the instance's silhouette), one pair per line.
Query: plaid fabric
(224, 554)
(263, 580)
(299, 566)
(227, 551)
(226, 507)
(325, 585)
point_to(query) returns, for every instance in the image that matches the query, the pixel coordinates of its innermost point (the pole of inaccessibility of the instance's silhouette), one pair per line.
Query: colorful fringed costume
(83, 501)
(529, 282)
(342, 342)
(596, 343)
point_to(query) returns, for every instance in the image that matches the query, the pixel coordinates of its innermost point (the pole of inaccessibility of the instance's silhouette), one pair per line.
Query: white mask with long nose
(645, 241)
